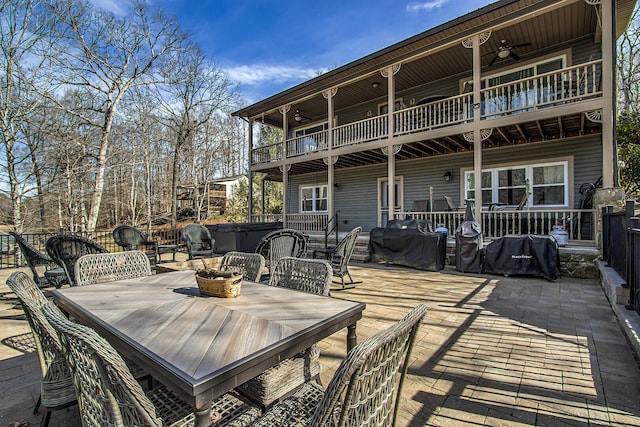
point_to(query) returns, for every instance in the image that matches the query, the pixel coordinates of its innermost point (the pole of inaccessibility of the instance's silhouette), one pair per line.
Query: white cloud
(430, 5)
(260, 73)
(117, 7)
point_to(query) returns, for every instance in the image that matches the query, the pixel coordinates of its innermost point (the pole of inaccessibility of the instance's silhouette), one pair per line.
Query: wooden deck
(492, 350)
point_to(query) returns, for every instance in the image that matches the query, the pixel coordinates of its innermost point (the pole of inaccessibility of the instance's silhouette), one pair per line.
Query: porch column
(262, 195)
(328, 95)
(391, 158)
(477, 139)
(609, 154)
(284, 168)
(250, 175)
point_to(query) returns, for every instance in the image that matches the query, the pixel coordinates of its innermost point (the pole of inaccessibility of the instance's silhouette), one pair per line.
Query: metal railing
(555, 88)
(11, 257)
(614, 237)
(632, 272)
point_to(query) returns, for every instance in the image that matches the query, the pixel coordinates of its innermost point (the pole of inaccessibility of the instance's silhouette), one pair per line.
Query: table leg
(203, 416)
(352, 339)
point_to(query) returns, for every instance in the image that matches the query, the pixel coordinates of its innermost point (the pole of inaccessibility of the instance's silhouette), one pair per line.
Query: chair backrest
(99, 268)
(196, 235)
(281, 243)
(308, 275)
(443, 204)
(33, 256)
(420, 206)
(342, 255)
(250, 265)
(107, 392)
(128, 237)
(366, 386)
(65, 250)
(57, 385)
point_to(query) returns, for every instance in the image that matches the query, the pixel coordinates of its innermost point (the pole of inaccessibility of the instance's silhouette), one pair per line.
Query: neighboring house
(518, 92)
(212, 195)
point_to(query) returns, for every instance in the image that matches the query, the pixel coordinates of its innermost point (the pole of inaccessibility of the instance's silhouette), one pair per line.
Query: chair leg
(35, 410)
(45, 419)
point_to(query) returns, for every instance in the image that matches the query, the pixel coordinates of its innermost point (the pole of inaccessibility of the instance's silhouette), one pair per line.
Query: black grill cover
(523, 255)
(469, 243)
(410, 243)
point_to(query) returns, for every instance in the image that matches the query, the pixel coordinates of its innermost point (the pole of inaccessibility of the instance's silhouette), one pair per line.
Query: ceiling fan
(505, 50)
(298, 117)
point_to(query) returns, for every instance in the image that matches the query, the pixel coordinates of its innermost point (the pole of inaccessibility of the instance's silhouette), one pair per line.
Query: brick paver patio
(493, 350)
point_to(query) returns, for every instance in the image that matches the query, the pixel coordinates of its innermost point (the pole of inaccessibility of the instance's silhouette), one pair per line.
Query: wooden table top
(205, 346)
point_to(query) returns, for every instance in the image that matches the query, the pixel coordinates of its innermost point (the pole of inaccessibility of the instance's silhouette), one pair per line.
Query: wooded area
(102, 116)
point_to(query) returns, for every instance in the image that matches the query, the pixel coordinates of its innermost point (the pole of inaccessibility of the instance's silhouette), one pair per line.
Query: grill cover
(410, 243)
(523, 255)
(469, 243)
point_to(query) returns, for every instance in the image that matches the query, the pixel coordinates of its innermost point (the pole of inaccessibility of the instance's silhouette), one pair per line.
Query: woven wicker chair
(54, 275)
(340, 256)
(249, 265)
(65, 250)
(130, 238)
(56, 387)
(281, 243)
(365, 389)
(99, 268)
(198, 240)
(276, 383)
(109, 395)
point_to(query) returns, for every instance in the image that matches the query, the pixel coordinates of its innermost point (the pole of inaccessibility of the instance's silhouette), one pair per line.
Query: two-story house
(520, 93)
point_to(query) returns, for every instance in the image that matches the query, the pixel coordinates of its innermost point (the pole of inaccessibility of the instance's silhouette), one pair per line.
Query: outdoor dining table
(203, 347)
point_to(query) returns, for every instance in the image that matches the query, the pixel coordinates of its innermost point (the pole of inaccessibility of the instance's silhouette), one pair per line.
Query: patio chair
(281, 243)
(99, 268)
(130, 238)
(365, 389)
(53, 275)
(109, 395)
(198, 240)
(249, 265)
(56, 387)
(443, 204)
(65, 250)
(276, 383)
(340, 256)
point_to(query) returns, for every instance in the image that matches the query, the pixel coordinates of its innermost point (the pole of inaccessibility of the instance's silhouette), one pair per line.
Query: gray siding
(357, 192)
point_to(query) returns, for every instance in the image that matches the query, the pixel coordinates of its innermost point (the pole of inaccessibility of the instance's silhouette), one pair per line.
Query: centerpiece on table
(223, 284)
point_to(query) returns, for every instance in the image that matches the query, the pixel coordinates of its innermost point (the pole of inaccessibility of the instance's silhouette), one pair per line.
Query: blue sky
(267, 46)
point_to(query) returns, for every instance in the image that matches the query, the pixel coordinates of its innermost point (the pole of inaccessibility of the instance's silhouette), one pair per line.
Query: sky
(267, 46)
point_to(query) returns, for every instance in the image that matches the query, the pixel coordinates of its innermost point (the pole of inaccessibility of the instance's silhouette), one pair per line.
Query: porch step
(360, 251)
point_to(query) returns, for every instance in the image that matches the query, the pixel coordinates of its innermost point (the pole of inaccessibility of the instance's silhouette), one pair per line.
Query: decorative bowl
(223, 284)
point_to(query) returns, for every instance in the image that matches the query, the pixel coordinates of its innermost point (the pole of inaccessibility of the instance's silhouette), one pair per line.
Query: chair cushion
(280, 381)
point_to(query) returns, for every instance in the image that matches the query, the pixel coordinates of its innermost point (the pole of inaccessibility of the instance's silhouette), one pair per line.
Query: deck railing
(555, 88)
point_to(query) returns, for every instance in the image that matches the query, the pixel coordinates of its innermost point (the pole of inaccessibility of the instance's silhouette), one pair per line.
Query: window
(313, 199)
(384, 108)
(549, 186)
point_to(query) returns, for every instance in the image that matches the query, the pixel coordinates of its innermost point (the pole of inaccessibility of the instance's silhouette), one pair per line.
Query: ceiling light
(504, 53)
(375, 85)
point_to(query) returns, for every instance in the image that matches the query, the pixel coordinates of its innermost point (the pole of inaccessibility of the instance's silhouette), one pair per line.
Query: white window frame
(528, 167)
(314, 198)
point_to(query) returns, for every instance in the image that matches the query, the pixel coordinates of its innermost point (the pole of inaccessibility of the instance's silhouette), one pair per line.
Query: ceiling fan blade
(495, 58)
(522, 45)
(514, 56)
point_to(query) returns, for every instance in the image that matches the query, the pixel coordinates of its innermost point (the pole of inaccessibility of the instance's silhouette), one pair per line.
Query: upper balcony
(525, 105)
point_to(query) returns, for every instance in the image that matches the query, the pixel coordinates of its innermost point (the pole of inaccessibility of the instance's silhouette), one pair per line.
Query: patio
(492, 351)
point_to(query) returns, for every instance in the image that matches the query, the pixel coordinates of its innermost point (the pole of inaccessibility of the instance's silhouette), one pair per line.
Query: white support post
(608, 89)
(477, 139)
(249, 175)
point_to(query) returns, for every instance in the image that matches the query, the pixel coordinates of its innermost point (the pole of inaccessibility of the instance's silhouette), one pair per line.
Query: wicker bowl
(221, 284)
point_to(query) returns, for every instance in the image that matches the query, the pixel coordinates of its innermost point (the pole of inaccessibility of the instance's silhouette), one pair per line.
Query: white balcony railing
(555, 88)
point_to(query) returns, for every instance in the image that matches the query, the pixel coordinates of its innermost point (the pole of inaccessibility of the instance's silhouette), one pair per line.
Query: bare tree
(106, 55)
(24, 50)
(628, 66)
(193, 91)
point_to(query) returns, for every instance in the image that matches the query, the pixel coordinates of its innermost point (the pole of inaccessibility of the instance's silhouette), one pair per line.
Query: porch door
(383, 200)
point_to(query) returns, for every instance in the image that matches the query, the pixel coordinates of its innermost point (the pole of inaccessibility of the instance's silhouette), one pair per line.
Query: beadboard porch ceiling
(438, 53)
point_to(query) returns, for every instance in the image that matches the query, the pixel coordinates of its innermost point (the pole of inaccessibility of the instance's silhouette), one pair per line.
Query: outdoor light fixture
(297, 116)
(375, 85)
(504, 53)
(448, 175)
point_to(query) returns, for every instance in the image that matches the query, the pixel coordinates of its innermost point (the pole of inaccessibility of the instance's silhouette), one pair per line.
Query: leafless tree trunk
(628, 66)
(107, 55)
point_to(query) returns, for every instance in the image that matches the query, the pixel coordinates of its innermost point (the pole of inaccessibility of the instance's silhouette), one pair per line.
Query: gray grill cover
(469, 243)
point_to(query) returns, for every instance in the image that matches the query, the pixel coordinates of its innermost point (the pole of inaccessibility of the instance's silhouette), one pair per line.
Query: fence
(633, 270)
(11, 257)
(614, 237)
